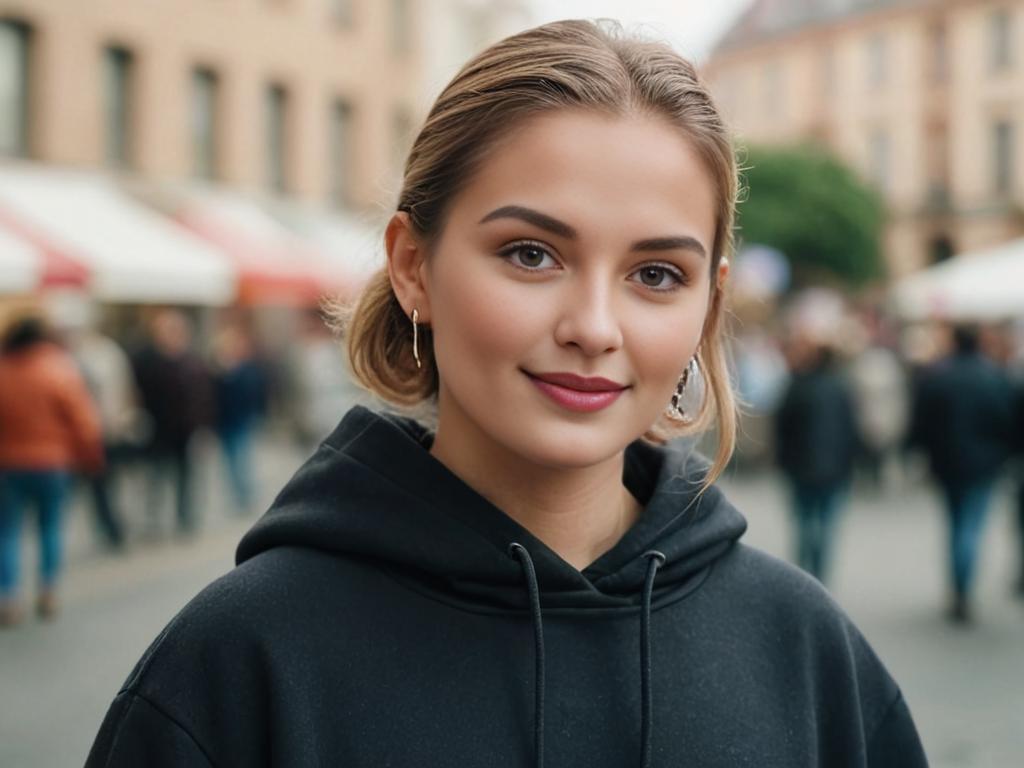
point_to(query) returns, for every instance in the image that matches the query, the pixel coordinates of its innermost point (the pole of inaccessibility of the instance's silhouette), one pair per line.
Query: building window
(205, 89)
(828, 74)
(341, 11)
(15, 41)
(118, 66)
(879, 160)
(1003, 156)
(341, 153)
(938, 59)
(400, 27)
(878, 64)
(936, 158)
(277, 137)
(1001, 39)
(941, 249)
(774, 91)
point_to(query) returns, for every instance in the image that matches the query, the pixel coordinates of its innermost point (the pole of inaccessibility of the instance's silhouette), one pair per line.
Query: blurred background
(182, 181)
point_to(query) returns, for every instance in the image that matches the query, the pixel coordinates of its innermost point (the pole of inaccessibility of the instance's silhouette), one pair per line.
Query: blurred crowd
(80, 409)
(834, 398)
(842, 398)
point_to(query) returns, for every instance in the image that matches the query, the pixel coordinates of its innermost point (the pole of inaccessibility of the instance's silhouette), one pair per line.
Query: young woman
(539, 579)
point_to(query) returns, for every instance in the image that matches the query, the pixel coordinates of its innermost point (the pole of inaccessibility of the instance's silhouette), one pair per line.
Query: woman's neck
(578, 513)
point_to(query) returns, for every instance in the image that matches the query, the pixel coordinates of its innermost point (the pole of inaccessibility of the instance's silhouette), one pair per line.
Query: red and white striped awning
(28, 264)
(274, 264)
(88, 231)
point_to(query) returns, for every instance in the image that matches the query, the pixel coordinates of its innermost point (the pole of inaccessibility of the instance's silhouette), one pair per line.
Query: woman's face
(568, 289)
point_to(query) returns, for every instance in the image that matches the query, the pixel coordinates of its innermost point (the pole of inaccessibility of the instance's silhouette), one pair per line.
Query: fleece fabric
(382, 613)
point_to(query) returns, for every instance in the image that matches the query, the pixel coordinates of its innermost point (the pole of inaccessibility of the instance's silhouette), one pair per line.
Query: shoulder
(794, 610)
(217, 667)
(247, 602)
(774, 584)
(786, 619)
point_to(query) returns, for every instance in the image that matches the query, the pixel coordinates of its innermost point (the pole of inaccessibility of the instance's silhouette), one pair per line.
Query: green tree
(810, 206)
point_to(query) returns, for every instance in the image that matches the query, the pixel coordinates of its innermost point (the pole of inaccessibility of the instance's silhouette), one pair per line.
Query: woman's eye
(529, 256)
(658, 277)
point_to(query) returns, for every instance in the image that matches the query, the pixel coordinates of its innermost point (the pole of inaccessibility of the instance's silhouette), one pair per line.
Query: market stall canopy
(275, 263)
(351, 241)
(133, 255)
(21, 265)
(28, 264)
(987, 285)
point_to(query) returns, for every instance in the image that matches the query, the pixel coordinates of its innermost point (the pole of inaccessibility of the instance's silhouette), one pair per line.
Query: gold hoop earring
(415, 337)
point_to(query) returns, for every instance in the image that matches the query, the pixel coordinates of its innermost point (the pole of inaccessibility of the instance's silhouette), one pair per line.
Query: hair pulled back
(563, 65)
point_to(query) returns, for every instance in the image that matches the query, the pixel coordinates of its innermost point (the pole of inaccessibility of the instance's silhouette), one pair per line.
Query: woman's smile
(577, 393)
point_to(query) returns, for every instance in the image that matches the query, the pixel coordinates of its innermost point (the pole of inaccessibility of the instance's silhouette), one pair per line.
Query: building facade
(305, 99)
(925, 98)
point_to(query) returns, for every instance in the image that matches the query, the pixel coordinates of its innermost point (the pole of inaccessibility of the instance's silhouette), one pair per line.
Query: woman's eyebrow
(530, 216)
(685, 242)
(560, 228)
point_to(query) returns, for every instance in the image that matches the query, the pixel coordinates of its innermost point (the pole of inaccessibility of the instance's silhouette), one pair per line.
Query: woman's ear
(407, 266)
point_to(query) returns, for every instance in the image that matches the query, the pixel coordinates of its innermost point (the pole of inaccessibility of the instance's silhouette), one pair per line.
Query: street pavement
(965, 686)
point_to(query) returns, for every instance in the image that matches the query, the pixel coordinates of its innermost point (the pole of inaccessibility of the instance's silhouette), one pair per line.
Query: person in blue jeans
(816, 441)
(46, 490)
(962, 420)
(49, 427)
(240, 394)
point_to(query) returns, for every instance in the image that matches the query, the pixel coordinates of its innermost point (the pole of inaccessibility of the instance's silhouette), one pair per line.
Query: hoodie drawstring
(655, 560)
(538, 629)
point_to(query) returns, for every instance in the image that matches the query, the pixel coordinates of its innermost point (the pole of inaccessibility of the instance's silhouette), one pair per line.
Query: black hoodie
(382, 613)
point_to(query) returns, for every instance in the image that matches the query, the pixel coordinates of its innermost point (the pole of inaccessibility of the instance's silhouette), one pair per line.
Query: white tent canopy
(20, 265)
(133, 254)
(987, 285)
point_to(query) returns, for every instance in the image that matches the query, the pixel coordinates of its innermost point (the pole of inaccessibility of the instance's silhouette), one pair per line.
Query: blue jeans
(967, 508)
(815, 510)
(237, 442)
(46, 489)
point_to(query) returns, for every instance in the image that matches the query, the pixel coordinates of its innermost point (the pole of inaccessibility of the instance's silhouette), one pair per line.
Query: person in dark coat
(962, 420)
(240, 395)
(1018, 446)
(177, 393)
(816, 444)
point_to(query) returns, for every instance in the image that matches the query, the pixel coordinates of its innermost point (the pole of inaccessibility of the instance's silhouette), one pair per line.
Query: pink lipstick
(578, 393)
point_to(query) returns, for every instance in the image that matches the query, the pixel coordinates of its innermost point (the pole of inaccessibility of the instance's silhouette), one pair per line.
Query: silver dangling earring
(415, 337)
(675, 409)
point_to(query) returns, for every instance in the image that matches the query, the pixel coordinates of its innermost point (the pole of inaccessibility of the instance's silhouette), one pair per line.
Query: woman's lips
(578, 393)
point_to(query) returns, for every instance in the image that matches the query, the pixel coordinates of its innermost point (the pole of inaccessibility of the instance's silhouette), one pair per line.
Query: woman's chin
(569, 446)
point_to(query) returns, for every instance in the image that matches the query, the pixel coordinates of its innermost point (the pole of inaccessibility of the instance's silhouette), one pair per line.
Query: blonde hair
(566, 64)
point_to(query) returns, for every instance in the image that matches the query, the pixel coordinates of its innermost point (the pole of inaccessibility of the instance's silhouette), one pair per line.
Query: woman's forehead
(593, 170)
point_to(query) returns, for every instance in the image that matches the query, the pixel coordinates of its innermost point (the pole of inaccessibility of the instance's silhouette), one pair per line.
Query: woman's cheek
(489, 316)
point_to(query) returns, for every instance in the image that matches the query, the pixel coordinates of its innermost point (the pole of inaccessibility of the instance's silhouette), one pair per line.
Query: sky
(692, 26)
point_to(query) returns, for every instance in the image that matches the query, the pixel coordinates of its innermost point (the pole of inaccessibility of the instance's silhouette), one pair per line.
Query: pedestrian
(240, 396)
(1018, 445)
(320, 385)
(176, 391)
(962, 417)
(48, 429)
(816, 443)
(540, 578)
(880, 393)
(108, 373)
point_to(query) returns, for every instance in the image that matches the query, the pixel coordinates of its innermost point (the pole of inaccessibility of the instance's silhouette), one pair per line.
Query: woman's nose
(588, 321)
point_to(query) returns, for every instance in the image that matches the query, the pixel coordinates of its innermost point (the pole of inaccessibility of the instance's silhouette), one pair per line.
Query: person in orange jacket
(49, 428)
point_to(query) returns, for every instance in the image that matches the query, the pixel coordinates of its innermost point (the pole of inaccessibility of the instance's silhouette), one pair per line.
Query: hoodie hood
(372, 491)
